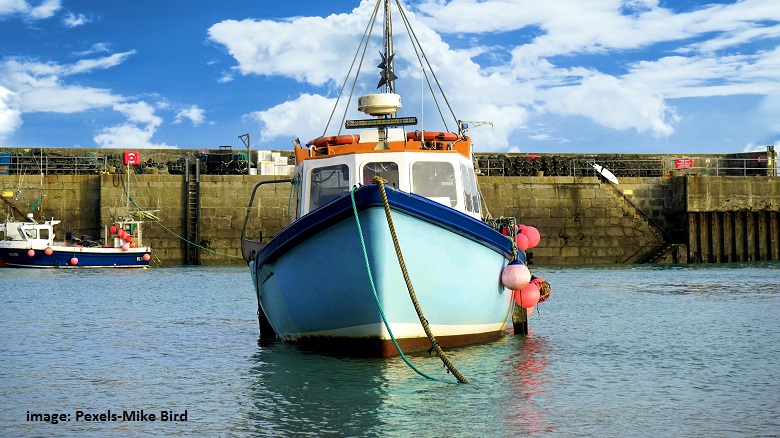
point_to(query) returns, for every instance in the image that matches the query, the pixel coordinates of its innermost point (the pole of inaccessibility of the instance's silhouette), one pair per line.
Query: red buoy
(528, 296)
(522, 241)
(532, 234)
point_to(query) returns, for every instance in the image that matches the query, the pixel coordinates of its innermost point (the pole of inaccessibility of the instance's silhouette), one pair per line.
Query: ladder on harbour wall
(192, 212)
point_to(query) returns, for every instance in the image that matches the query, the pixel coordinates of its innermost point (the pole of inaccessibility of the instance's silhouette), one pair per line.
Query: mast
(387, 65)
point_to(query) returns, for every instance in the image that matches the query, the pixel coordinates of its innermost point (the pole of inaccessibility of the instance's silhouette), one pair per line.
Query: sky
(559, 76)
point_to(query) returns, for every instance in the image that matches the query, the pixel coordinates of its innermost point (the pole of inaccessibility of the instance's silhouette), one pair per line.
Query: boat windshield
(31, 233)
(434, 180)
(327, 184)
(384, 169)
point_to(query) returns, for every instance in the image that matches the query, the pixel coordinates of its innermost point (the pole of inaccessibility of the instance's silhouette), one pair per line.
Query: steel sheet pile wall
(733, 219)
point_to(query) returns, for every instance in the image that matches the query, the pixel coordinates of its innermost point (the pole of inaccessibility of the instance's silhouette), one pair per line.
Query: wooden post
(693, 239)
(763, 235)
(717, 237)
(739, 236)
(750, 236)
(728, 237)
(520, 320)
(704, 238)
(774, 239)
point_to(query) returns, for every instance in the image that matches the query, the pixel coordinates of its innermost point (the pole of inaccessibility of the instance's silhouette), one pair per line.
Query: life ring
(334, 140)
(431, 135)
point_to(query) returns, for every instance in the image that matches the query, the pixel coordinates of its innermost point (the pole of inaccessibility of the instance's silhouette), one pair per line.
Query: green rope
(376, 297)
(182, 238)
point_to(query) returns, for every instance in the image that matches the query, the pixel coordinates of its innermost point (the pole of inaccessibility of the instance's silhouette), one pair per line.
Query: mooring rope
(376, 296)
(436, 347)
(182, 237)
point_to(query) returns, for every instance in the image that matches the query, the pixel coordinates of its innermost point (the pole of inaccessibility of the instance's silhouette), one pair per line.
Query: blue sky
(566, 76)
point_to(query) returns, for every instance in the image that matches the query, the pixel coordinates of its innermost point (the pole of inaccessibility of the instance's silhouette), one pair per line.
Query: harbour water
(616, 351)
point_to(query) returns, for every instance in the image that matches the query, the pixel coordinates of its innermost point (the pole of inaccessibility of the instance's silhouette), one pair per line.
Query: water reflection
(295, 392)
(526, 375)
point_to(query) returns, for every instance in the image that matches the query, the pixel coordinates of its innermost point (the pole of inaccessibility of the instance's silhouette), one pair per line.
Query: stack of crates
(273, 163)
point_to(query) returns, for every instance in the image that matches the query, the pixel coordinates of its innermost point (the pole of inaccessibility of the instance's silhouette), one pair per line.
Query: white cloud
(31, 86)
(44, 9)
(613, 103)
(87, 65)
(307, 49)
(304, 117)
(66, 99)
(128, 136)
(96, 48)
(137, 134)
(71, 20)
(10, 114)
(194, 114)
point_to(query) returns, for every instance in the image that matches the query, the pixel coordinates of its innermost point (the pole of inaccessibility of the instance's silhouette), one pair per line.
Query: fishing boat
(31, 244)
(388, 251)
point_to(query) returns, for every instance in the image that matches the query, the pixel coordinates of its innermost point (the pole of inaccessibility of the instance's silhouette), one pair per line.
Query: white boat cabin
(446, 177)
(36, 234)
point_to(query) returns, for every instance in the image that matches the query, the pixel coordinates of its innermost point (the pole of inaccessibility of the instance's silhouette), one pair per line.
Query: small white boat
(334, 280)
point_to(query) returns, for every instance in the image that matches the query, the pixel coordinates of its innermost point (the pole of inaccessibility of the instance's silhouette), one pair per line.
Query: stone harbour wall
(582, 220)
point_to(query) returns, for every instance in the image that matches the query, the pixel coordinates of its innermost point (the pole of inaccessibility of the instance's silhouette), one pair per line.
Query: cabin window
(470, 193)
(434, 180)
(327, 184)
(44, 233)
(385, 169)
(31, 233)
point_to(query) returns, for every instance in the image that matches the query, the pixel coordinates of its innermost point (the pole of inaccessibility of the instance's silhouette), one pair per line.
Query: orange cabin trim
(442, 143)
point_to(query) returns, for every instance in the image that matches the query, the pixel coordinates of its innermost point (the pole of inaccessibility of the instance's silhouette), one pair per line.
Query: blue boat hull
(86, 258)
(313, 285)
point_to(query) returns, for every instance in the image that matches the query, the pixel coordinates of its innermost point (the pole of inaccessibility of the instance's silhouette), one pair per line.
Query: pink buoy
(522, 241)
(147, 257)
(48, 251)
(532, 234)
(515, 275)
(528, 296)
(31, 252)
(74, 261)
(125, 246)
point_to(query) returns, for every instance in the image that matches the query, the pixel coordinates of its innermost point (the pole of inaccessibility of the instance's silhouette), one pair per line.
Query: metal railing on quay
(537, 165)
(20, 164)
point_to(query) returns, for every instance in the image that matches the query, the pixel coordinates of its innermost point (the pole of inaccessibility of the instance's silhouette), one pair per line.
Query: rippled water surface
(628, 351)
